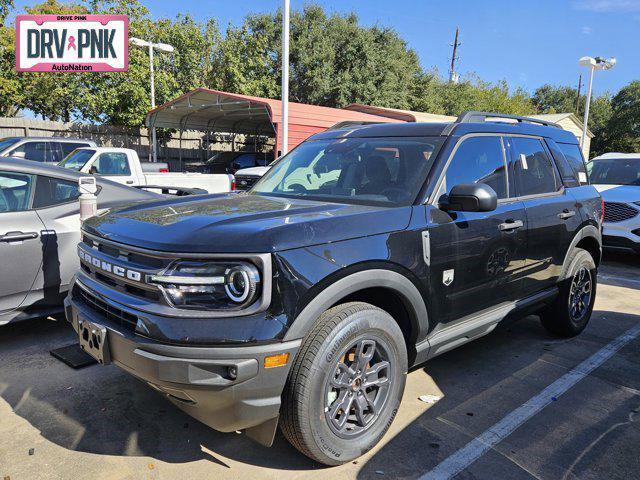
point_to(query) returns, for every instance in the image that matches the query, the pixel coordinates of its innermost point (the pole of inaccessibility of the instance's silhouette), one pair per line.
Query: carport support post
(285, 77)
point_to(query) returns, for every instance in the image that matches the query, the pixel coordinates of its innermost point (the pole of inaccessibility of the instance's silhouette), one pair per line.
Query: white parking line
(471, 452)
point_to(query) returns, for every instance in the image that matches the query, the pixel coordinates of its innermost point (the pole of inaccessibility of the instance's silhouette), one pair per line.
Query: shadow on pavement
(486, 379)
(105, 411)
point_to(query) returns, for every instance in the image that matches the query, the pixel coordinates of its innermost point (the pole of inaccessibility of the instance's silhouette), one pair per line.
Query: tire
(564, 317)
(317, 385)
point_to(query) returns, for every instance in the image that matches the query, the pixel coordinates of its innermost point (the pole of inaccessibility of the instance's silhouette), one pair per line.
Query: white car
(617, 177)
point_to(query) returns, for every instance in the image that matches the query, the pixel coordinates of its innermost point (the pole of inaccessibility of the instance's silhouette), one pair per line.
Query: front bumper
(198, 379)
(622, 235)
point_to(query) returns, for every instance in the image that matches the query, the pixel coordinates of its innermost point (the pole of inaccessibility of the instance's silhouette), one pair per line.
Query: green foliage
(5, 8)
(624, 123)
(334, 61)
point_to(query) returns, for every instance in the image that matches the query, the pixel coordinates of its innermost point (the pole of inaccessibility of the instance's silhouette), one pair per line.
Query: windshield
(370, 171)
(7, 142)
(77, 159)
(615, 171)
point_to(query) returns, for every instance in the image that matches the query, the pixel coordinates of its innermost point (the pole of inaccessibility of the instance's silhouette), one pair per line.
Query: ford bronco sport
(305, 308)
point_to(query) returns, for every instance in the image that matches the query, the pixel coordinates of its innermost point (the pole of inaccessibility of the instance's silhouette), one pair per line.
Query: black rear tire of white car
(345, 384)
(571, 310)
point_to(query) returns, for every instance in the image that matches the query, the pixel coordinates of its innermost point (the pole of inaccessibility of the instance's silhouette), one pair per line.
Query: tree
(624, 123)
(333, 60)
(555, 99)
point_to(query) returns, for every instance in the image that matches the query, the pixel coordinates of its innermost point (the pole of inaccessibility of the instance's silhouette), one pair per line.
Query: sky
(528, 43)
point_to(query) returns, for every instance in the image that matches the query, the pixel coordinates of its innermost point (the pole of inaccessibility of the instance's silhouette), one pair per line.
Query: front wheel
(346, 384)
(571, 311)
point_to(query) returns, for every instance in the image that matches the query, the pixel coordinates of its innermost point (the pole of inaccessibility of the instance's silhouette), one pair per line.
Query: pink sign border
(96, 67)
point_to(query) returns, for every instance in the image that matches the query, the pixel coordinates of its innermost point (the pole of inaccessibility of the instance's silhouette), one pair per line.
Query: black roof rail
(471, 116)
(352, 123)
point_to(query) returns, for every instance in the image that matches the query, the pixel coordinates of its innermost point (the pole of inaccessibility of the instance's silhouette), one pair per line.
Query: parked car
(230, 162)
(39, 233)
(248, 177)
(41, 149)
(305, 307)
(617, 178)
(122, 165)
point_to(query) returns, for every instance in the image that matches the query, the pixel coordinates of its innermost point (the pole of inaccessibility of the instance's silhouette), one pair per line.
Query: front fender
(345, 286)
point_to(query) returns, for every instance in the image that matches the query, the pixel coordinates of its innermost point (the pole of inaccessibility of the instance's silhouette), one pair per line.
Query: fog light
(233, 373)
(273, 361)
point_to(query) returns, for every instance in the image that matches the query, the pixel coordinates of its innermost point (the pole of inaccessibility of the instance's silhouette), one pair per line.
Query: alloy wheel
(358, 388)
(580, 294)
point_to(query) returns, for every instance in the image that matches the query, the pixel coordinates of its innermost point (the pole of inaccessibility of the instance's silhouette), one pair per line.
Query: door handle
(510, 225)
(129, 182)
(566, 214)
(18, 236)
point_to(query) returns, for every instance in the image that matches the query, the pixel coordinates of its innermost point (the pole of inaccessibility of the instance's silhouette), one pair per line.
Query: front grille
(618, 212)
(115, 315)
(245, 182)
(117, 254)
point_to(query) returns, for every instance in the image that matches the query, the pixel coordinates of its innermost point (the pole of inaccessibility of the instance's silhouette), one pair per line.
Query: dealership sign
(72, 43)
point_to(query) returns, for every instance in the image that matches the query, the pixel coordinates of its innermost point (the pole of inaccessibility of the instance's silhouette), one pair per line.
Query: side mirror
(472, 197)
(93, 170)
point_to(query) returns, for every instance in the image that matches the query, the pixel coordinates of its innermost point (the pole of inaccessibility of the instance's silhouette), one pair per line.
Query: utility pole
(453, 75)
(284, 146)
(578, 97)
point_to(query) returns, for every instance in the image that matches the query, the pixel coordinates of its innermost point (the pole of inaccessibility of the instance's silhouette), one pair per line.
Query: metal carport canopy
(213, 110)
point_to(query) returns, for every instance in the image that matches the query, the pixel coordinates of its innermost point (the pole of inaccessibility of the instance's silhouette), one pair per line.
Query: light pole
(597, 63)
(285, 77)
(161, 47)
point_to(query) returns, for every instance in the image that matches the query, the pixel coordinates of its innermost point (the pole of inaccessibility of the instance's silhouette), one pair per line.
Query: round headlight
(241, 283)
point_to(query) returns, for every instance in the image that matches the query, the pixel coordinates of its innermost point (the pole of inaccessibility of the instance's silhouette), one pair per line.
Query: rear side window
(478, 160)
(15, 191)
(534, 170)
(114, 163)
(54, 191)
(36, 151)
(68, 147)
(574, 156)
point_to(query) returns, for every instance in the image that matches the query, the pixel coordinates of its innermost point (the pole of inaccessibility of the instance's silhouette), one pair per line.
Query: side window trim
(514, 159)
(433, 198)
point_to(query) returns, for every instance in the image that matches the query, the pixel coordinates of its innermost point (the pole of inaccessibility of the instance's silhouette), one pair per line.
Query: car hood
(619, 193)
(253, 171)
(240, 223)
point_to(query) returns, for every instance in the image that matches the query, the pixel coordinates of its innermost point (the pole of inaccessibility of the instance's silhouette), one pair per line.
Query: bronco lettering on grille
(110, 268)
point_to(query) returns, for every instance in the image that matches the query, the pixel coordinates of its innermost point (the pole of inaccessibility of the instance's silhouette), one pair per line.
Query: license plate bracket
(94, 340)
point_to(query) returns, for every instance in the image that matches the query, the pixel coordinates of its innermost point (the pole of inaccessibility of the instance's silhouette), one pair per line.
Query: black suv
(305, 307)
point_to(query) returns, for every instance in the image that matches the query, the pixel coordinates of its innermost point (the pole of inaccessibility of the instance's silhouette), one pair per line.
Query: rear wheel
(571, 311)
(346, 384)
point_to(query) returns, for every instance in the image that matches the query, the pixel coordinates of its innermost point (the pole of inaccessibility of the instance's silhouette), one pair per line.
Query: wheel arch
(588, 238)
(385, 288)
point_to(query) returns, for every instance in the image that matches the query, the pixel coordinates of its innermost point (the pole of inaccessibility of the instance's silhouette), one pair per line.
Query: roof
(410, 129)
(559, 117)
(206, 109)
(398, 114)
(13, 164)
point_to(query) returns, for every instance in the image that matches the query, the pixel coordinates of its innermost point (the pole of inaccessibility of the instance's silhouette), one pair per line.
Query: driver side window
(478, 160)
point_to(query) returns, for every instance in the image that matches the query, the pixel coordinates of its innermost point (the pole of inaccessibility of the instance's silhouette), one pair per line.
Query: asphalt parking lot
(489, 418)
